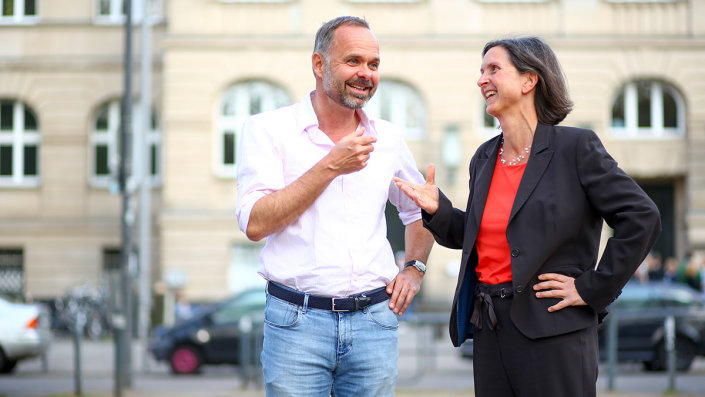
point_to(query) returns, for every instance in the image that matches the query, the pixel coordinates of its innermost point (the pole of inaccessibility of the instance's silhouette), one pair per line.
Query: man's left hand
(403, 289)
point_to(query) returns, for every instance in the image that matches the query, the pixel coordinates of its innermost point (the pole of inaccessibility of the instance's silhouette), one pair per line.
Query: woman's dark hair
(531, 54)
(324, 36)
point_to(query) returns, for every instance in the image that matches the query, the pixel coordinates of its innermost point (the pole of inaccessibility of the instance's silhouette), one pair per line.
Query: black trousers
(508, 364)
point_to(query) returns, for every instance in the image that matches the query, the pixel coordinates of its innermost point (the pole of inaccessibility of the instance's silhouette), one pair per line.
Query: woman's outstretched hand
(426, 195)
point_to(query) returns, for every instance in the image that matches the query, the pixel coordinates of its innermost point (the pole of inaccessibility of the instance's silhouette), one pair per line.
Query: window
(12, 273)
(19, 145)
(490, 125)
(400, 104)
(18, 11)
(105, 141)
(242, 272)
(113, 11)
(647, 108)
(112, 261)
(238, 103)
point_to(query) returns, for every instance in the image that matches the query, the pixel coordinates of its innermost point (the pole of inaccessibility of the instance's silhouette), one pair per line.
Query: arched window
(238, 103)
(400, 104)
(648, 108)
(105, 140)
(19, 145)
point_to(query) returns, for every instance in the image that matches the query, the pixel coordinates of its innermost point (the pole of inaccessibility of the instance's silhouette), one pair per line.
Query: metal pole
(145, 226)
(670, 330)
(612, 335)
(123, 328)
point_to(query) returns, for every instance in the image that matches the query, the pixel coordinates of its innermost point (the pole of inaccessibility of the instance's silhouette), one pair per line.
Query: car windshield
(656, 295)
(248, 303)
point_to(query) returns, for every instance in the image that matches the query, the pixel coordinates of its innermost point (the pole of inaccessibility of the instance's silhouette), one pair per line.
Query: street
(425, 369)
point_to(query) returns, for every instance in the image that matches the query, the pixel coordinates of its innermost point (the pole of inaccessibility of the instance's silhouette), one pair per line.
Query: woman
(529, 291)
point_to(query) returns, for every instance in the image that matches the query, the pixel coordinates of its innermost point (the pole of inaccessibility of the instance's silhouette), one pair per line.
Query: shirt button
(515, 252)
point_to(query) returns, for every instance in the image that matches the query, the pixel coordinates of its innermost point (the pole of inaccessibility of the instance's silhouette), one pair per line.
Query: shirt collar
(307, 116)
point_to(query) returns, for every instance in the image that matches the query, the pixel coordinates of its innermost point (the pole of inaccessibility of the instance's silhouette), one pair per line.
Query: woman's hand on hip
(426, 195)
(553, 285)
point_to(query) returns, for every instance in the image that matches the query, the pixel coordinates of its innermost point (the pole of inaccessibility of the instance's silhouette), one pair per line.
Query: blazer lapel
(485, 169)
(538, 162)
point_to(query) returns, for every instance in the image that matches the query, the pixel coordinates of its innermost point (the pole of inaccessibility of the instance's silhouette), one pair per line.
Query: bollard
(78, 324)
(245, 326)
(612, 335)
(670, 330)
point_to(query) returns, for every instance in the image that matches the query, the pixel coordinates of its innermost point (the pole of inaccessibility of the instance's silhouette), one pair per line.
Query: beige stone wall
(66, 65)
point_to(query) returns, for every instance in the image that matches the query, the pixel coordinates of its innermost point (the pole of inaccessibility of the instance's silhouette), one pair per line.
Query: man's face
(350, 74)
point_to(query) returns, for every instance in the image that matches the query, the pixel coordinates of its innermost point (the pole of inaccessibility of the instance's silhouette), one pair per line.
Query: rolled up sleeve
(409, 212)
(259, 168)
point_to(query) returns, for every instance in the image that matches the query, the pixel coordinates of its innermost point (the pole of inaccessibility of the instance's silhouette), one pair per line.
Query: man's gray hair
(324, 36)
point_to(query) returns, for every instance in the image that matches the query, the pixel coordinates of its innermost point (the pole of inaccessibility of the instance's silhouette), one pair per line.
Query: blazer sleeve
(627, 209)
(447, 225)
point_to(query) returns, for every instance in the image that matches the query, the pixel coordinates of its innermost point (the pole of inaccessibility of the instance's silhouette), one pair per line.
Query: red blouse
(494, 265)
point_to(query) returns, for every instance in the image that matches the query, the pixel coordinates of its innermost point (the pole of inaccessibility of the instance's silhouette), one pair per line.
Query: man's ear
(318, 64)
(530, 81)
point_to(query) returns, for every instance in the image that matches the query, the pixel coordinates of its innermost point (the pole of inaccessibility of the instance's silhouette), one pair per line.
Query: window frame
(116, 16)
(19, 16)
(656, 129)
(19, 138)
(240, 94)
(110, 137)
(402, 95)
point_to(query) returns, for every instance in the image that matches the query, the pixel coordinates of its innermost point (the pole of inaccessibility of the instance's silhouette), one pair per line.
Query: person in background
(531, 291)
(314, 179)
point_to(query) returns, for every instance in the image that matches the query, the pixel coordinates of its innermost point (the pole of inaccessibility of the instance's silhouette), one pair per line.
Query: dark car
(640, 311)
(210, 336)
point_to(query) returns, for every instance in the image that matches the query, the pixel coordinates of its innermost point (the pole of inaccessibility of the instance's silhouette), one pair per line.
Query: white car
(24, 333)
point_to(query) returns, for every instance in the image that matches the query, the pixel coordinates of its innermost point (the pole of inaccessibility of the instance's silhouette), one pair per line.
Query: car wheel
(6, 366)
(685, 354)
(185, 360)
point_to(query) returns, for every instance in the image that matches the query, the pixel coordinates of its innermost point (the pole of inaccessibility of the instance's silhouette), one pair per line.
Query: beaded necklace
(518, 159)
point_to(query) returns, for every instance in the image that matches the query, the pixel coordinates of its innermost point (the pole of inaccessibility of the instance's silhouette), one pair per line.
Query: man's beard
(339, 94)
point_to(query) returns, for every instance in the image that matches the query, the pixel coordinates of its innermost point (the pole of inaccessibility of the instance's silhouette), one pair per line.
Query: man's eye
(353, 61)
(374, 66)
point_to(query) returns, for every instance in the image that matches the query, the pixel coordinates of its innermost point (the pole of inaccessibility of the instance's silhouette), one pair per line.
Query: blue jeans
(310, 352)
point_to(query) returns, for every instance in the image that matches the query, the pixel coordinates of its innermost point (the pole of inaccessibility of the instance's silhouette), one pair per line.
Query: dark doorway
(663, 194)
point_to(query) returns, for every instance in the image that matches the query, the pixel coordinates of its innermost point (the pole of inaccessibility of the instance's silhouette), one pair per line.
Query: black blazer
(569, 186)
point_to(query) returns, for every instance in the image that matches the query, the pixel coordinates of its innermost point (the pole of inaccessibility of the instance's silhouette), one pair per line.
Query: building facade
(634, 70)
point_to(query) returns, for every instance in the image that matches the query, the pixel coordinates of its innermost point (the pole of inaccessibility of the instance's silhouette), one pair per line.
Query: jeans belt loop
(305, 302)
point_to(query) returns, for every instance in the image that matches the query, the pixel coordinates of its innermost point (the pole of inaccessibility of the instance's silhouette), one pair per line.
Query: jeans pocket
(383, 316)
(279, 313)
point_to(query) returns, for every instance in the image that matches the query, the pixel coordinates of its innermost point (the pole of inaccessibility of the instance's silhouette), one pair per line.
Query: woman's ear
(530, 81)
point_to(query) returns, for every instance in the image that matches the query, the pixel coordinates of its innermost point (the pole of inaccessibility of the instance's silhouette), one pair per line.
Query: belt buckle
(501, 293)
(336, 310)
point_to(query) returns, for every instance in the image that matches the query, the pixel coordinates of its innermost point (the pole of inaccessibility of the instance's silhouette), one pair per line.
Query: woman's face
(500, 82)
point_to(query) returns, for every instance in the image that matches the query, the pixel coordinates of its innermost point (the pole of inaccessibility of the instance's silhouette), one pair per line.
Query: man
(314, 179)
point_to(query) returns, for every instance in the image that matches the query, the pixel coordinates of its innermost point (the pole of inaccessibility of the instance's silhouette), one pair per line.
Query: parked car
(642, 339)
(211, 335)
(24, 333)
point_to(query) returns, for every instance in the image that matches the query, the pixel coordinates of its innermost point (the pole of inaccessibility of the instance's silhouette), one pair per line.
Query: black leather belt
(349, 304)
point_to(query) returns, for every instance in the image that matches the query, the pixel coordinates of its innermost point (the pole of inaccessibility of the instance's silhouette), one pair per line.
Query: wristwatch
(417, 264)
